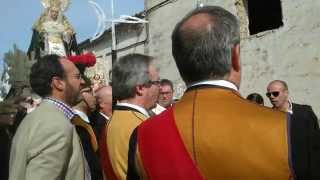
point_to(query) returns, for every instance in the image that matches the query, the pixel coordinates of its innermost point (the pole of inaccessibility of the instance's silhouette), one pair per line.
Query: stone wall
(130, 39)
(290, 53)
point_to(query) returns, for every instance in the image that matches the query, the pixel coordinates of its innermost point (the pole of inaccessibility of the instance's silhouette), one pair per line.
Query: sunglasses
(274, 94)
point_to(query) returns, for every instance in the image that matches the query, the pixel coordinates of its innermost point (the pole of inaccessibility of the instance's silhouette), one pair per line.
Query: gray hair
(128, 72)
(205, 53)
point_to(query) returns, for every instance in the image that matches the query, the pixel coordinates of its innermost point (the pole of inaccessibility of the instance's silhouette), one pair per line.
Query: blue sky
(18, 16)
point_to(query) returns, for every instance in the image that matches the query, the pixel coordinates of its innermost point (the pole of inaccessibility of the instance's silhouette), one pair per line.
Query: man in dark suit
(278, 94)
(104, 109)
(304, 127)
(85, 106)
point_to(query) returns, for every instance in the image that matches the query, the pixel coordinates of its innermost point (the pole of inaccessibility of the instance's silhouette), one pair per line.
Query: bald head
(198, 23)
(278, 94)
(281, 83)
(104, 100)
(203, 44)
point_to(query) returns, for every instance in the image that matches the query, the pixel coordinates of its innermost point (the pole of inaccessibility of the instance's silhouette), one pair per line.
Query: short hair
(255, 97)
(128, 72)
(99, 93)
(42, 73)
(205, 53)
(284, 84)
(164, 82)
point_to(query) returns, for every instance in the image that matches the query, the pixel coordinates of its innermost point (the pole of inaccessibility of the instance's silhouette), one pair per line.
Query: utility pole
(103, 21)
(113, 34)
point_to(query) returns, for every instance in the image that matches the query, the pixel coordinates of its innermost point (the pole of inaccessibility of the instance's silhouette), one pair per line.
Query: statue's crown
(60, 5)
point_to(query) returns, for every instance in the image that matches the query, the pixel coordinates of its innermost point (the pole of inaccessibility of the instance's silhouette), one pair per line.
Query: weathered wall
(104, 63)
(290, 53)
(130, 38)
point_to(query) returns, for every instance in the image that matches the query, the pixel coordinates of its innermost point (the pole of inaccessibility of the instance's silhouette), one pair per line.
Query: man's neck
(284, 107)
(223, 83)
(82, 107)
(140, 108)
(133, 101)
(167, 106)
(59, 97)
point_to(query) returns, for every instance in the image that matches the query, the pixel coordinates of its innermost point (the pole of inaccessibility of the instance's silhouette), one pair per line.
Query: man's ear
(235, 71)
(286, 92)
(139, 90)
(235, 58)
(101, 105)
(58, 83)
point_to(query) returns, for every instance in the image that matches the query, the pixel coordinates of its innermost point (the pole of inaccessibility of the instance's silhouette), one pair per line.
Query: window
(264, 15)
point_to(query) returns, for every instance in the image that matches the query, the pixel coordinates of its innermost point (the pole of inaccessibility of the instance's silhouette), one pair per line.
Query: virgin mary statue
(52, 32)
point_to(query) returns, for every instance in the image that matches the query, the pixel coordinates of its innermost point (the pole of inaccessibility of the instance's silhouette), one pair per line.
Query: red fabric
(88, 59)
(104, 156)
(162, 151)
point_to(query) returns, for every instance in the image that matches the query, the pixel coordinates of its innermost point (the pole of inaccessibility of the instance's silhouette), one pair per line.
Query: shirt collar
(158, 109)
(105, 116)
(67, 110)
(290, 107)
(136, 107)
(222, 83)
(82, 115)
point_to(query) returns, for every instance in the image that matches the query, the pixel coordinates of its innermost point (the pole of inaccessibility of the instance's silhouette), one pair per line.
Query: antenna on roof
(103, 22)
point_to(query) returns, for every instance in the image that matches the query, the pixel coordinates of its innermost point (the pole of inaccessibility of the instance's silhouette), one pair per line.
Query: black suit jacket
(97, 122)
(305, 142)
(90, 154)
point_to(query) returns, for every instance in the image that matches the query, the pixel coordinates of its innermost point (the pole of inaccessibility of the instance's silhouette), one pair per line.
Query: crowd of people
(136, 130)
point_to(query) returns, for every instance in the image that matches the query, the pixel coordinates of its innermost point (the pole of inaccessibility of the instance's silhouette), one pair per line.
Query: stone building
(279, 41)
(131, 38)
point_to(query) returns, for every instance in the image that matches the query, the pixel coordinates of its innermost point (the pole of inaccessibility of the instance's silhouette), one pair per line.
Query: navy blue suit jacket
(305, 142)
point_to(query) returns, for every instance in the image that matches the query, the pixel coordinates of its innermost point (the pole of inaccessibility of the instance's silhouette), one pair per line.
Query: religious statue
(96, 82)
(52, 32)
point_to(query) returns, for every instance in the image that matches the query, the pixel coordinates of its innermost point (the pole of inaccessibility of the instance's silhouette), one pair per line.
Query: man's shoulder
(46, 110)
(99, 116)
(295, 105)
(46, 115)
(124, 120)
(127, 114)
(43, 122)
(301, 108)
(160, 119)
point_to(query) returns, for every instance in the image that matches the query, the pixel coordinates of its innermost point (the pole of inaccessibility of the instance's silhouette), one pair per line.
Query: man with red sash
(212, 132)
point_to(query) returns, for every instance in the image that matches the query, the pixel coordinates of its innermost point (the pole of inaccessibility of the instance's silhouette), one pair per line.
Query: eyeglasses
(274, 94)
(157, 82)
(77, 76)
(165, 92)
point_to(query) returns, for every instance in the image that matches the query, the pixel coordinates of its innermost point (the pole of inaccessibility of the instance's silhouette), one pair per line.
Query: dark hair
(128, 72)
(203, 53)
(255, 97)
(42, 73)
(166, 82)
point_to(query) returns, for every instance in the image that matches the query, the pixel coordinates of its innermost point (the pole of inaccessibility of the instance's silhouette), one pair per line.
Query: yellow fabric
(233, 138)
(119, 131)
(79, 122)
